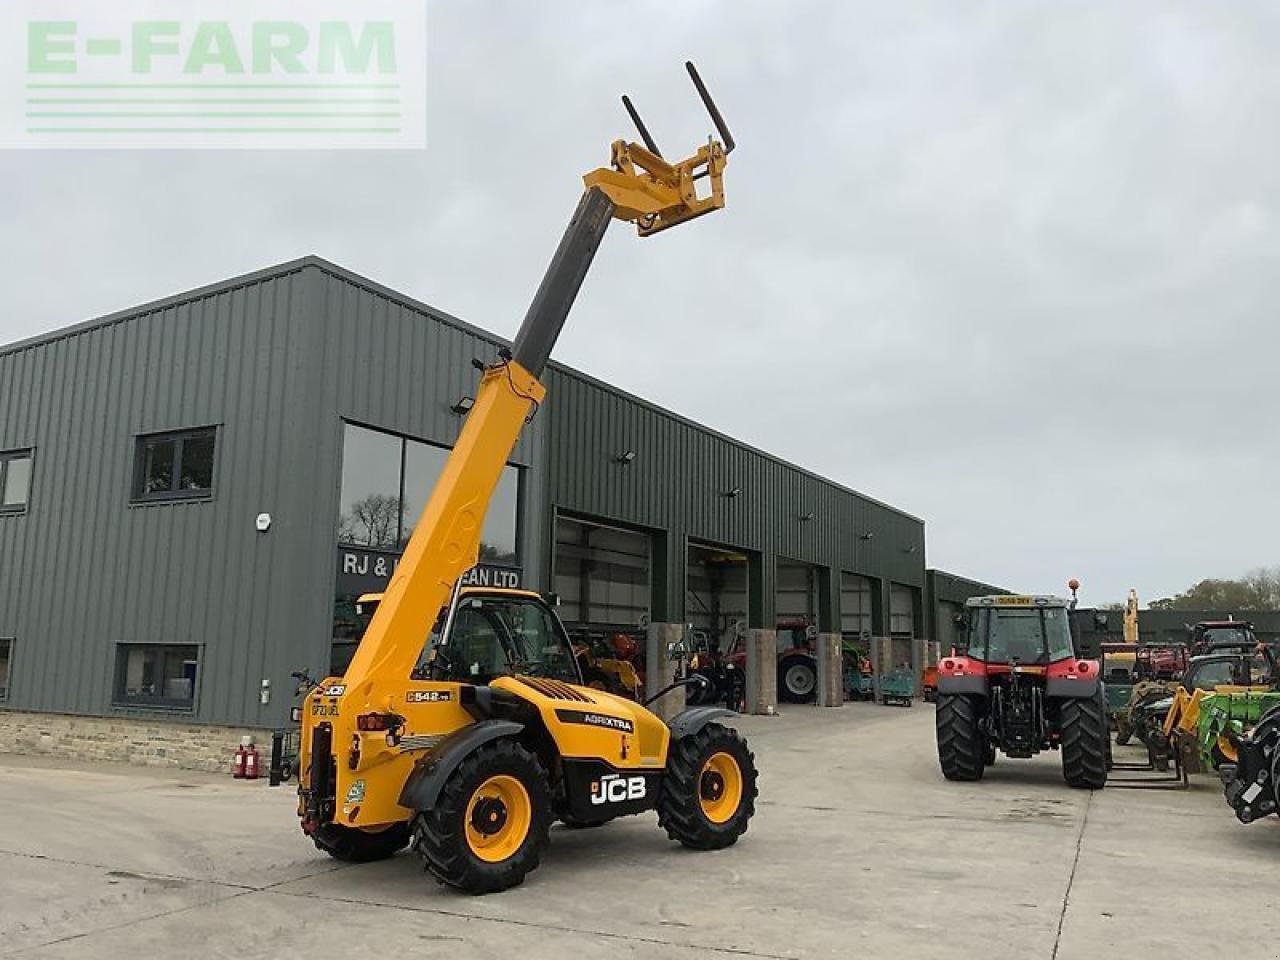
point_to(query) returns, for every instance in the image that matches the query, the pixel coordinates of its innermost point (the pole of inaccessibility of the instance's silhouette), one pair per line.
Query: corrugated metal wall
(679, 481)
(944, 594)
(276, 360)
(84, 569)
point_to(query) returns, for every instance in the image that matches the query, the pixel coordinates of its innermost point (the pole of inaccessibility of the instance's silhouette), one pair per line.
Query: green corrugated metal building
(211, 479)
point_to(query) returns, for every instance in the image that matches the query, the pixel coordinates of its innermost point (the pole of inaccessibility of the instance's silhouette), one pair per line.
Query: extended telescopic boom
(640, 187)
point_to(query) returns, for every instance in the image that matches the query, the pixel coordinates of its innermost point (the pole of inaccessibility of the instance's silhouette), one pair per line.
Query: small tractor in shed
(462, 726)
(1019, 689)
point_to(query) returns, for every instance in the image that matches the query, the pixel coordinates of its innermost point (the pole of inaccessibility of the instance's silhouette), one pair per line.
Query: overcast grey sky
(1009, 266)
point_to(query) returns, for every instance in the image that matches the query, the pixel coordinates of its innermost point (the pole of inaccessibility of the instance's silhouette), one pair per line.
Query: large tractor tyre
(962, 750)
(709, 791)
(1085, 739)
(361, 846)
(797, 680)
(491, 822)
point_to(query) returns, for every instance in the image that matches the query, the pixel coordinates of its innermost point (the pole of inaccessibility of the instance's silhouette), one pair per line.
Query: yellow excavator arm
(639, 187)
(1131, 618)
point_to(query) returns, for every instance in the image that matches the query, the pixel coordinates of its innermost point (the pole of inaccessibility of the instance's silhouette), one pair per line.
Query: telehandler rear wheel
(1085, 739)
(490, 823)
(709, 792)
(962, 753)
(361, 846)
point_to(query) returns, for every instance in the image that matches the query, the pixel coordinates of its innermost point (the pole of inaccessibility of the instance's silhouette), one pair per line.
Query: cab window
(1028, 635)
(1210, 675)
(495, 636)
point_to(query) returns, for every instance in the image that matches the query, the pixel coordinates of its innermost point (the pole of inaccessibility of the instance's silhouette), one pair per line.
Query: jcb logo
(612, 788)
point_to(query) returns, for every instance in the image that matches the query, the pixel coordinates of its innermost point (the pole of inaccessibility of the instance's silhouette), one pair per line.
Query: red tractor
(1019, 688)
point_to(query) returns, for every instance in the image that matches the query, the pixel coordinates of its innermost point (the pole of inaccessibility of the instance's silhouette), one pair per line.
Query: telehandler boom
(461, 724)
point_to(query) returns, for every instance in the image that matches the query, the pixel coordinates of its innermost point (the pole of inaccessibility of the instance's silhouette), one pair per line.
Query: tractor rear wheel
(709, 791)
(491, 822)
(961, 750)
(1085, 739)
(797, 680)
(351, 845)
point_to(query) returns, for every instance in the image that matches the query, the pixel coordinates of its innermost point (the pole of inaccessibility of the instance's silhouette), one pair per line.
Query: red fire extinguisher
(251, 763)
(238, 762)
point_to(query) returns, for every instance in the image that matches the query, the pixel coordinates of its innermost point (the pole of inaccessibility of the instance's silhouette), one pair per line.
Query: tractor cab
(1210, 635)
(1017, 631)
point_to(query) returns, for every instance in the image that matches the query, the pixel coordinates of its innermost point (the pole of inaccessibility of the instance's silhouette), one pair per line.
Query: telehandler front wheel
(361, 846)
(709, 791)
(490, 823)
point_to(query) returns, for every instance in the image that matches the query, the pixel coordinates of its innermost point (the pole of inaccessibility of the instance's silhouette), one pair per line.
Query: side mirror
(551, 598)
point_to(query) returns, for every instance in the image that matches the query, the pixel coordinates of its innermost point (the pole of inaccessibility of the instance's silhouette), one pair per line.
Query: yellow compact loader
(462, 726)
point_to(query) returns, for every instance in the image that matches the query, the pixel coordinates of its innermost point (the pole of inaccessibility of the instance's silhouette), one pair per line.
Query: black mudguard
(423, 787)
(1077, 688)
(695, 718)
(962, 685)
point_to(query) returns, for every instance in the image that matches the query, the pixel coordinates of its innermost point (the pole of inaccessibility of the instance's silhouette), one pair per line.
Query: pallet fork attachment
(653, 193)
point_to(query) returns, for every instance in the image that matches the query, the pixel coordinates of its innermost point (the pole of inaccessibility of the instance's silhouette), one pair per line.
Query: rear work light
(377, 722)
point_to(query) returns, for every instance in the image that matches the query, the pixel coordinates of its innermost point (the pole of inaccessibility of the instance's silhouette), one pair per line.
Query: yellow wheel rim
(498, 818)
(1228, 749)
(720, 787)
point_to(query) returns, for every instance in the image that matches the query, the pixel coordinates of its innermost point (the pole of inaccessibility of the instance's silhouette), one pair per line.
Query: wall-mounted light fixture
(463, 406)
(625, 457)
(732, 493)
(866, 536)
(806, 516)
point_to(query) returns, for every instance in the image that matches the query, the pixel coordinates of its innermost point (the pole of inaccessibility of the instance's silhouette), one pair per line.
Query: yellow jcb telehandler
(462, 725)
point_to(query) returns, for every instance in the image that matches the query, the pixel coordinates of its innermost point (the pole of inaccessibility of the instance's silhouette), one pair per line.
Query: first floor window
(173, 466)
(15, 480)
(160, 675)
(6, 660)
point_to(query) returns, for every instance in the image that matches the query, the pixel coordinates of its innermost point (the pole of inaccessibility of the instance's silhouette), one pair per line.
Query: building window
(15, 480)
(386, 480)
(156, 675)
(174, 466)
(6, 661)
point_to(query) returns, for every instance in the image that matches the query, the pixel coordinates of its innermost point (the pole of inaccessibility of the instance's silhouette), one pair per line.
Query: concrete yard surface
(858, 848)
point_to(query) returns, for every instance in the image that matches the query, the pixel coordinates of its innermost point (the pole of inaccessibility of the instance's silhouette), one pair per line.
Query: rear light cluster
(1083, 667)
(377, 722)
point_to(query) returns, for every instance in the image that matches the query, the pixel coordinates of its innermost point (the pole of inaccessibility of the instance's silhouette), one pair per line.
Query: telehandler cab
(462, 725)
(1019, 688)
